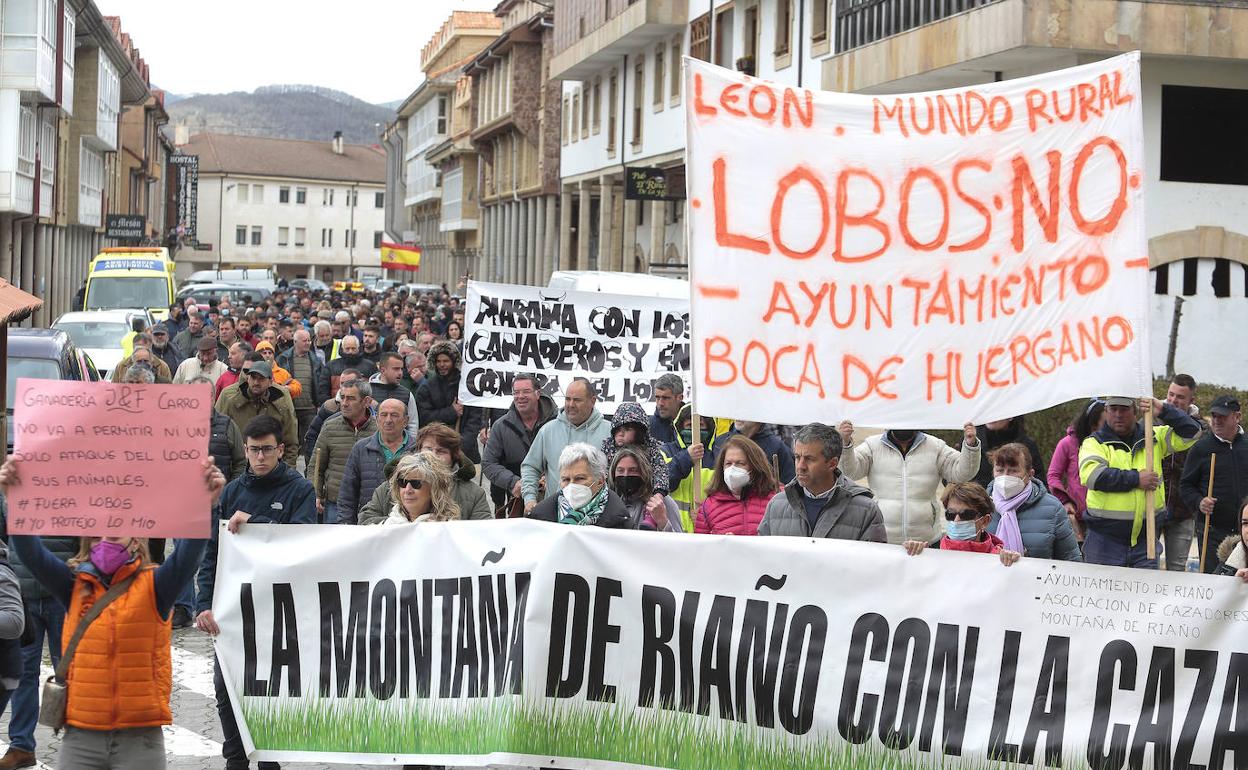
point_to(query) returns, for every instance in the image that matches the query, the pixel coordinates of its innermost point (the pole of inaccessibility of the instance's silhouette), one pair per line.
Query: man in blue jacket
(270, 492)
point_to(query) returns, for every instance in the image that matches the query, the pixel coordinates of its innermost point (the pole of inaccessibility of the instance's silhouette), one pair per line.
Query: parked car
(421, 288)
(308, 284)
(204, 292)
(44, 354)
(99, 333)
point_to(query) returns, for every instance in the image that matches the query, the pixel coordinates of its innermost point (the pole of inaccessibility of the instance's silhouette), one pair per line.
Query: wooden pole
(696, 424)
(1204, 538)
(1150, 495)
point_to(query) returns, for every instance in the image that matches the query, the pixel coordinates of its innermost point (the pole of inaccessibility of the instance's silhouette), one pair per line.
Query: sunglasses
(413, 483)
(960, 514)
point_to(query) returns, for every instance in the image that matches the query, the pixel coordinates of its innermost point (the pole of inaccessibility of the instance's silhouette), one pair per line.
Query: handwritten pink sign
(102, 458)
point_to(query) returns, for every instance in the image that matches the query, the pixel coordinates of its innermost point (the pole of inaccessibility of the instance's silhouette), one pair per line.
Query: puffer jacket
(1044, 525)
(333, 446)
(906, 486)
(226, 446)
(849, 513)
(723, 514)
(631, 413)
(543, 457)
(364, 472)
(509, 442)
(1063, 474)
(435, 399)
(235, 402)
(474, 503)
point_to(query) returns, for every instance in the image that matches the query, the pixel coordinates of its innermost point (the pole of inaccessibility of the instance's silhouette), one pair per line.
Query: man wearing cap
(1226, 441)
(1179, 529)
(280, 375)
(203, 364)
(1113, 467)
(163, 349)
(255, 395)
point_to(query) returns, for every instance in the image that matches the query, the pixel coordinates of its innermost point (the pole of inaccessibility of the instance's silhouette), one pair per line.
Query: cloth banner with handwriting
(524, 643)
(916, 260)
(103, 458)
(621, 343)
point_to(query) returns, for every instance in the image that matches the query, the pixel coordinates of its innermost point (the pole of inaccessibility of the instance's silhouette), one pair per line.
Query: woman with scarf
(632, 479)
(1233, 552)
(1027, 518)
(741, 487)
(584, 498)
(422, 489)
(968, 509)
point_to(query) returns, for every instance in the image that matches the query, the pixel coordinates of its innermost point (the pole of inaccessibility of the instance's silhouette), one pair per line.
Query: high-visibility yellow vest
(1096, 456)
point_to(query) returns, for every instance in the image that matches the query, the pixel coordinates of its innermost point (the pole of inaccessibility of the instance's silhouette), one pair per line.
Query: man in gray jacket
(512, 435)
(579, 422)
(821, 501)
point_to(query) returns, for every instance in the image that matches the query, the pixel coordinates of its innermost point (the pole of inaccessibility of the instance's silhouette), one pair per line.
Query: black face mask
(627, 486)
(903, 435)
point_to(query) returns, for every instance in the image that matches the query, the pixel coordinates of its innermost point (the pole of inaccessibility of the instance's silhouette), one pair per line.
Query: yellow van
(131, 278)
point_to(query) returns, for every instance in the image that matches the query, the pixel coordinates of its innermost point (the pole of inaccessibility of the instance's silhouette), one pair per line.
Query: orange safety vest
(122, 674)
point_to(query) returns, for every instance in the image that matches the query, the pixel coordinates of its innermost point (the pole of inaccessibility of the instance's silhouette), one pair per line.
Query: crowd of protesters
(344, 409)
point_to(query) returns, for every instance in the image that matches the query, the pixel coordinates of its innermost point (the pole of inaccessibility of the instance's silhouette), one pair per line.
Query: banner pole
(1150, 495)
(695, 421)
(1204, 538)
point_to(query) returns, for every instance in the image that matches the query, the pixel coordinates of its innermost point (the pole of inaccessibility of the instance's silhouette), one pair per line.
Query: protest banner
(524, 643)
(916, 260)
(621, 343)
(103, 458)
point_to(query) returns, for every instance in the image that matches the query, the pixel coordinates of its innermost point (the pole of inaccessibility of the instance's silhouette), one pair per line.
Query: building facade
(306, 209)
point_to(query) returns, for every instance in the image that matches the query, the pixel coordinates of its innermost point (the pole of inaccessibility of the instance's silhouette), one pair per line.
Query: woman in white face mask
(584, 498)
(741, 487)
(1027, 518)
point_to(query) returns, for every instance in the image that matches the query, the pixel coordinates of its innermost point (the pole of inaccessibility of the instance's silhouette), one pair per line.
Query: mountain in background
(284, 111)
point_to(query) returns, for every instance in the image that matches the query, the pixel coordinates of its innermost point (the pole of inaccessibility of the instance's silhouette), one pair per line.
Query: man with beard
(437, 398)
(256, 395)
(349, 357)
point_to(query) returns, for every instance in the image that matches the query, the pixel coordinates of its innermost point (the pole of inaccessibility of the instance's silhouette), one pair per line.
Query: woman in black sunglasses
(421, 489)
(968, 511)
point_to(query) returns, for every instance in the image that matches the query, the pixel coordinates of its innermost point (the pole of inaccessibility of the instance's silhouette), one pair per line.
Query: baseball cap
(1224, 405)
(160, 329)
(263, 368)
(1120, 401)
(206, 343)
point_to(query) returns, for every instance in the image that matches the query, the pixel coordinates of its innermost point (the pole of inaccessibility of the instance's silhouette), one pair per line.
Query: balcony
(67, 61)
(891, 46)
(97, 98)
(28, 56)
(641, 23)
(47, 163)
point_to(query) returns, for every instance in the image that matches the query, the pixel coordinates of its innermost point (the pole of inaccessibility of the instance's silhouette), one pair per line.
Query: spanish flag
(396, 257)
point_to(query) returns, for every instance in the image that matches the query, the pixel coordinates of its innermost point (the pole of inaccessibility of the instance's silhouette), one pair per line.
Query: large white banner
(519, 642)
(621, 343)
(916, 260)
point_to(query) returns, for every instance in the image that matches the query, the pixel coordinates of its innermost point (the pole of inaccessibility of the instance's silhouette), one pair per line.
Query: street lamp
(221, 190)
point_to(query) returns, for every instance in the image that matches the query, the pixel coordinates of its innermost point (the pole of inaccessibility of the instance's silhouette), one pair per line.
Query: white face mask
(736, 478)
(1008, 486)
(578, 494)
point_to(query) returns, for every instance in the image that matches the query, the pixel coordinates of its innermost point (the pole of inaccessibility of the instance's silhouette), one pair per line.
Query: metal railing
(862, 22)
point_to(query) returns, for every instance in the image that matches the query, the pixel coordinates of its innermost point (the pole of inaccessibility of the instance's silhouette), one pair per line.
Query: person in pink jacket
(740, 489)
(1063, 473)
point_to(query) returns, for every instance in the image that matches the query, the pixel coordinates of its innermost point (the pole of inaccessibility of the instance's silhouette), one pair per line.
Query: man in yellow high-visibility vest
(1116, 472)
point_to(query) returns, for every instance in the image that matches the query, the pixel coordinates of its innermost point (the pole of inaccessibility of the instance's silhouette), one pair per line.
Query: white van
(635, 284)
(249, 276)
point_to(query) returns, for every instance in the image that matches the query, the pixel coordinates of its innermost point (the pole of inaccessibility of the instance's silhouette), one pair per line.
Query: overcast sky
(368, 48)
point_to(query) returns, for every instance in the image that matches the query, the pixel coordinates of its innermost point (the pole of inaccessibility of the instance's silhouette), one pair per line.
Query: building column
(563, 257)
(513, 226)
(534, 258)
(522, 241)
(500, 238)
(657, 226)
(630, 237)
(606, 222)
(539, 240)
(582, 227)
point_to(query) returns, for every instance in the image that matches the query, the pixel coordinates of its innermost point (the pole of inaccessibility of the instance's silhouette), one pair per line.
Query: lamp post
(221, 190)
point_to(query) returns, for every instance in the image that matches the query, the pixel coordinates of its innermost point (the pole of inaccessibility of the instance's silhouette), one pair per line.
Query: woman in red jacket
(742, 486)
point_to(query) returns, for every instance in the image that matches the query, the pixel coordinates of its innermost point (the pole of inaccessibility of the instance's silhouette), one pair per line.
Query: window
(327, 196)
(301, 195)
(750, 33)
(376, 239)
(283, 195)
(379, 200)
(301, 237)
(240, 235)
(584, 112)
(353, 197)
(613, 102)
(700, 37)
(597, 105)
(576, 115)
(1202, 135)
(1191, 266)
(639, 97)
(327, 238)
(819, 21)
(784, 26)
(565, 118)
(244, 192)
(675, 68)
(442, 114)
(256, 230)
(354, 233)
(348, 239)
(283, 236)
(659, 75)
(257, 193)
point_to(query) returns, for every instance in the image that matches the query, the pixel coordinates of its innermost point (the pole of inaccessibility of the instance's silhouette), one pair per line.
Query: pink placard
(102, 458)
